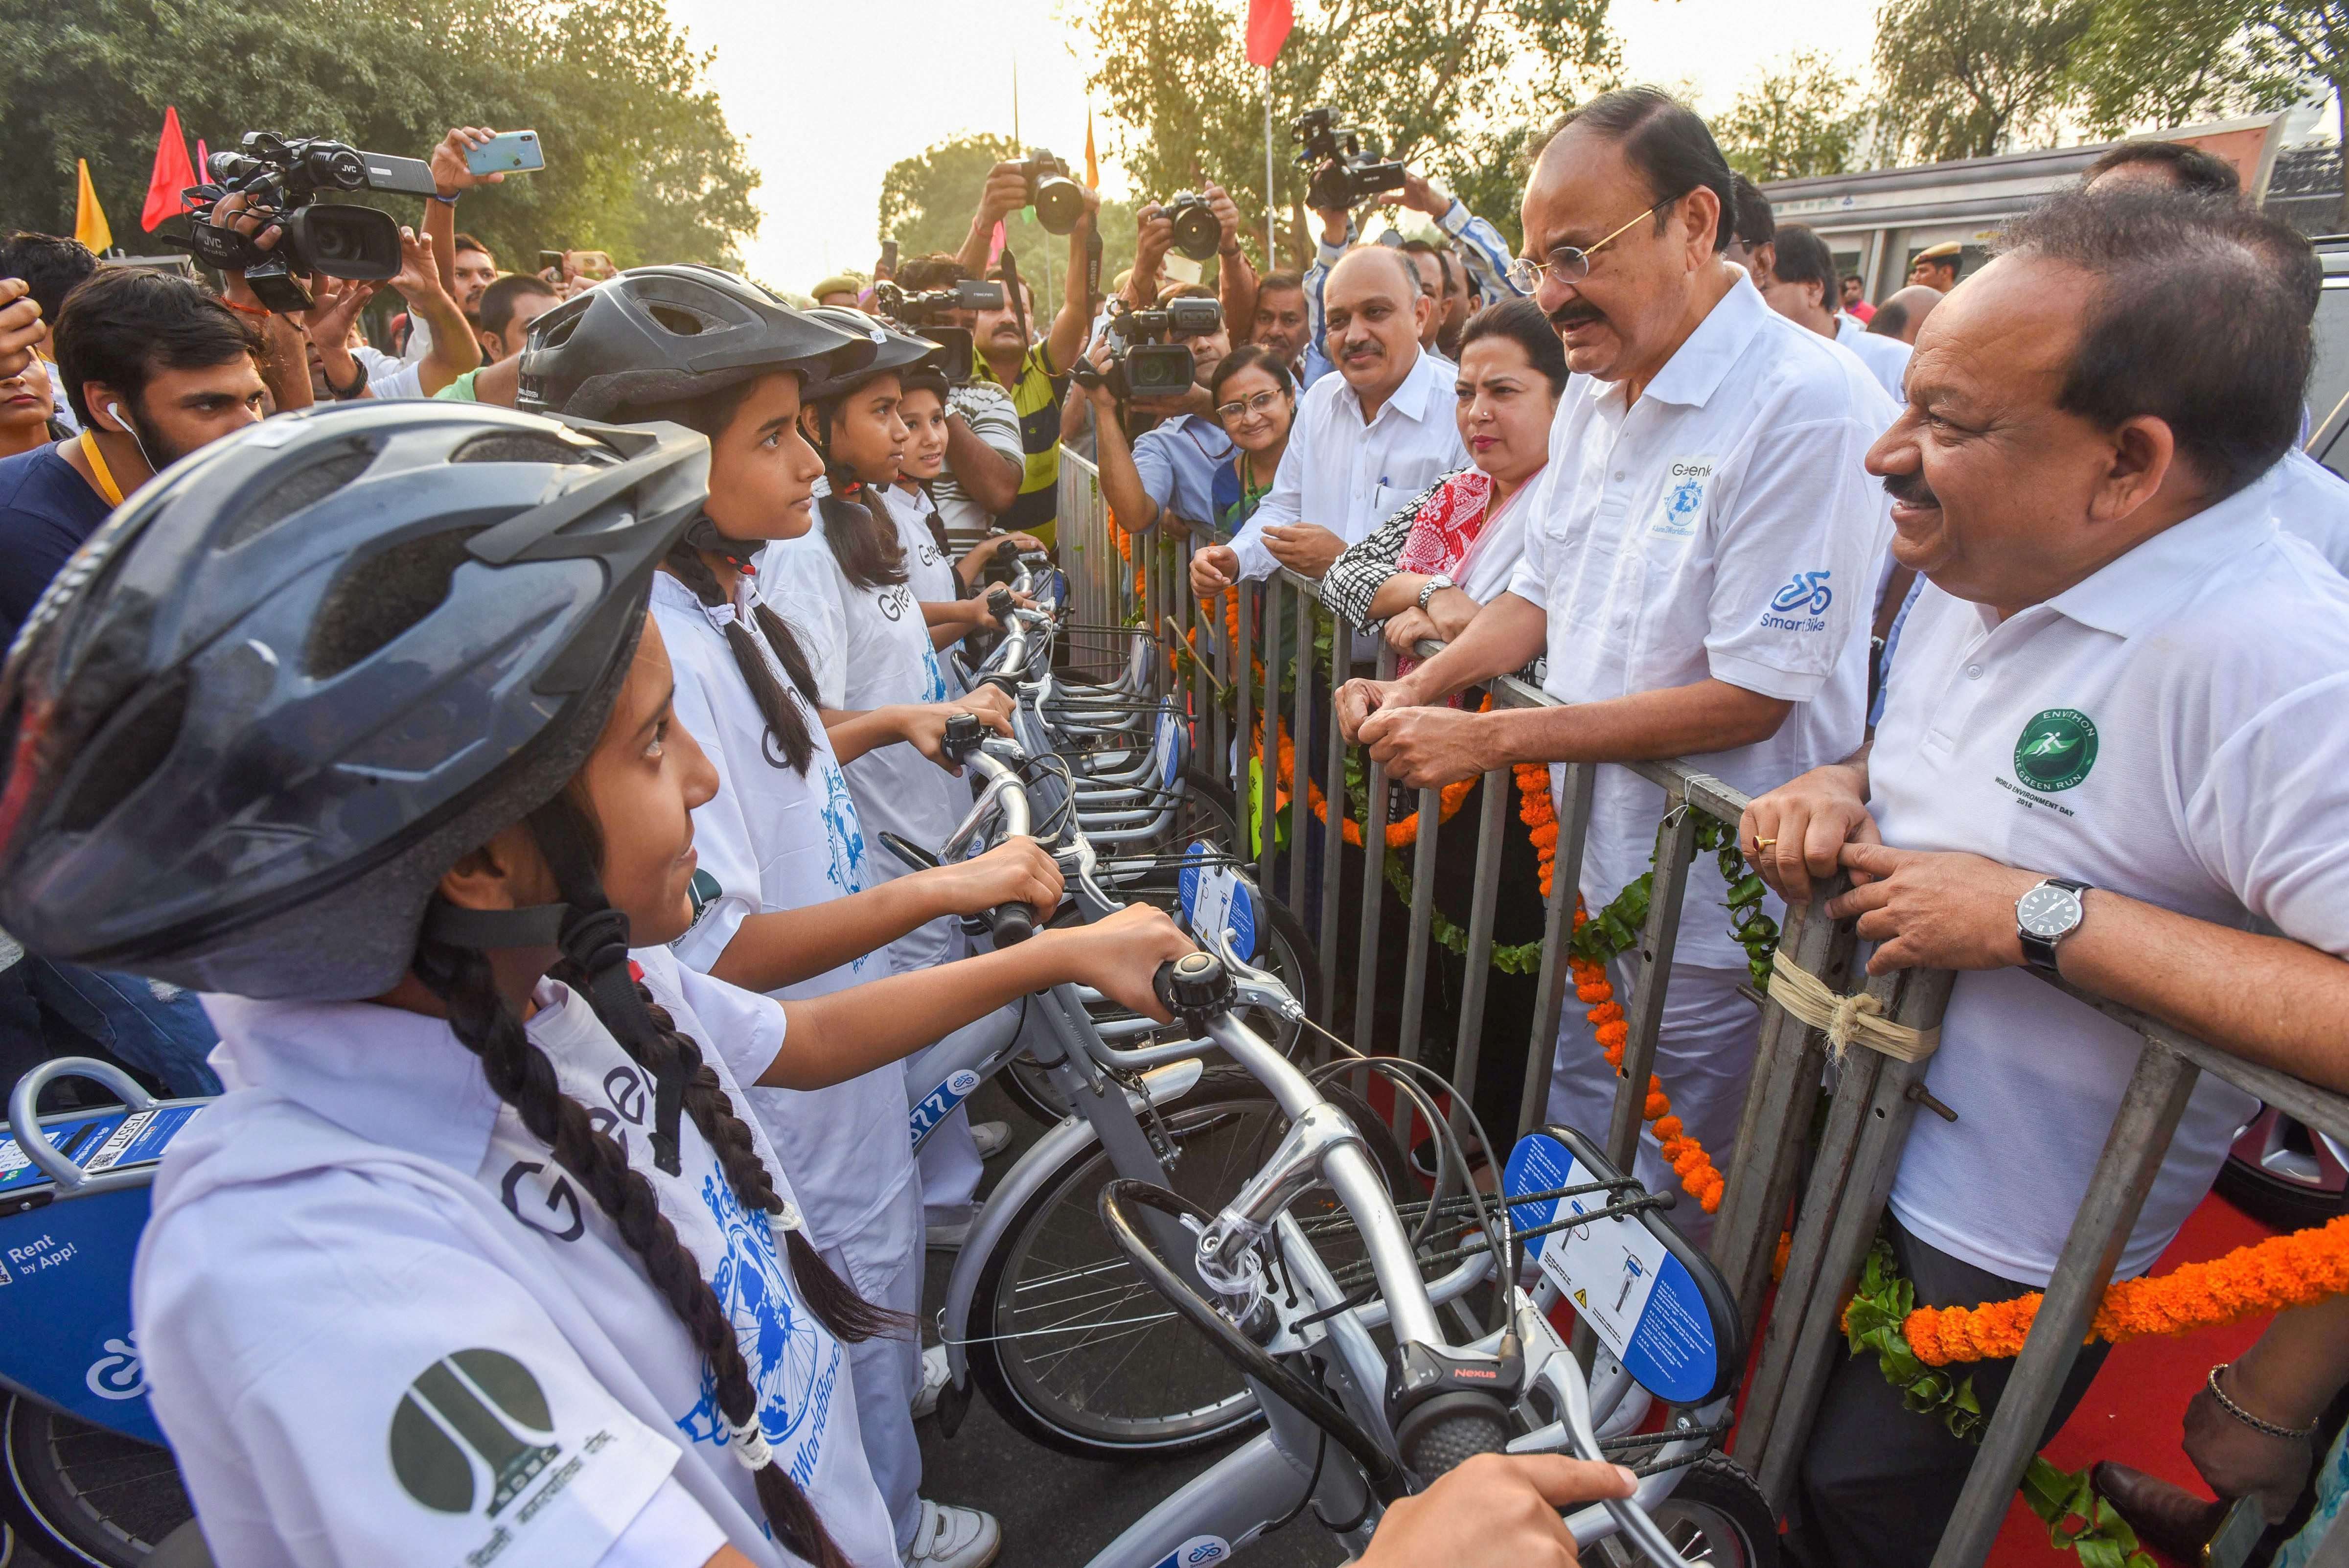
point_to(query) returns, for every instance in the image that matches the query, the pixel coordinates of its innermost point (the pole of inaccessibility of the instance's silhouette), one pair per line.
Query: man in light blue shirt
(1478, 247)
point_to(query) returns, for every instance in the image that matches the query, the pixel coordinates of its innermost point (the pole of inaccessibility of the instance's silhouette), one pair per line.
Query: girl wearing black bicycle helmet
(358, 722)
(788, 901)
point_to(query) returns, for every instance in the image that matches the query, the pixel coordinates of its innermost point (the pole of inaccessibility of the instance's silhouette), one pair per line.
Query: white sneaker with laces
(936, 1376)
(948, 1235)
(954, 1538)
(992, 1138)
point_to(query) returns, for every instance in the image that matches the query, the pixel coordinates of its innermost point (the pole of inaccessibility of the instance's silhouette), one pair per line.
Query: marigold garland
(2280, 1273)
(1400, 834)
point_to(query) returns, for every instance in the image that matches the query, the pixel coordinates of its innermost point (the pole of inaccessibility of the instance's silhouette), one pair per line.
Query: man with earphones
(154, 368)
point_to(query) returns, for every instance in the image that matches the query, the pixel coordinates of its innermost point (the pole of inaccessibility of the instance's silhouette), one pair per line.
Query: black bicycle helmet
(894, 349)
(287, 685)
(666, 334)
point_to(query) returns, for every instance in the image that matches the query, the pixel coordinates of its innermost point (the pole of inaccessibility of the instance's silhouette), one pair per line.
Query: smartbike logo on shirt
(1685, 484)
(1802, 604)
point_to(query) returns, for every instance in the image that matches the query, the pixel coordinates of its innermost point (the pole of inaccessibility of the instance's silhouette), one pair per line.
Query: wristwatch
(1432, 586)
(2046, 914)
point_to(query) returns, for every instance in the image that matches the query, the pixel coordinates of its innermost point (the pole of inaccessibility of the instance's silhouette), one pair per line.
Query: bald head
(1374, 314)
(1903, 314)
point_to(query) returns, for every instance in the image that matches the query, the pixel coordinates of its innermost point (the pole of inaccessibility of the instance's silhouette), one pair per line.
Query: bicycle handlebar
(1015, 921)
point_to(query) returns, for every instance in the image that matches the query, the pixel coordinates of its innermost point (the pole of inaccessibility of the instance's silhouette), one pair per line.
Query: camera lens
(1197, 235)
(1059, 203)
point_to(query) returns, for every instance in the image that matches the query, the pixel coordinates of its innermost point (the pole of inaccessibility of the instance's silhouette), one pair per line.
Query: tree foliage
(926, 201)
(1798, 117)
(1455, 82)
(640, 162)
(1963, 78)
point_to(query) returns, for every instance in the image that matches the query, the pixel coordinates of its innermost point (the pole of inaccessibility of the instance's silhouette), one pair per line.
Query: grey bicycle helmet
(660, 334)
(289, 683)
(894, 349)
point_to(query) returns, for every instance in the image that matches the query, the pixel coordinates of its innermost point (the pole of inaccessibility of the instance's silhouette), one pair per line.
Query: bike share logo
(704, 890)
(472, 1428)
(2055, 750)
(1196, 1553)
(940, 1102)
(1802, 604)
(118, 1374)
(1685, 484)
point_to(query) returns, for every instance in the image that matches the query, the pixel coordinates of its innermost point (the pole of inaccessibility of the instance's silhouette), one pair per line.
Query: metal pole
(1646, 1012)
(1271, 204)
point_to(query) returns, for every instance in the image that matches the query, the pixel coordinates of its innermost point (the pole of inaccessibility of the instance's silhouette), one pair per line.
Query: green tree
(1453, 82)
(1964, 79)
(639, 159)
(1798, 117)
(926, 201)
(2171, 62)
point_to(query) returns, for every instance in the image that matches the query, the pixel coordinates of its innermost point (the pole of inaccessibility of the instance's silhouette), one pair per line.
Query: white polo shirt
(1349, 475)
(1887, 359)
(1721, 527)
(384, 1326)
(2313, 502)
(2169, 729)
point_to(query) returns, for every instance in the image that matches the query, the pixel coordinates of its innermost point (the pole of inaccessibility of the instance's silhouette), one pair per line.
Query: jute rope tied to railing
(1848, 1021)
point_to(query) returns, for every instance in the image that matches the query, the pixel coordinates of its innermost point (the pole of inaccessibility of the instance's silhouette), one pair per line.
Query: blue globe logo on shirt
(847, 831)
(937, 691)
(1682, 504)
(783, 1345)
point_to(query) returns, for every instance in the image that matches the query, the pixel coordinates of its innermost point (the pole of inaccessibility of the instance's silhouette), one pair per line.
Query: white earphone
(119, 423)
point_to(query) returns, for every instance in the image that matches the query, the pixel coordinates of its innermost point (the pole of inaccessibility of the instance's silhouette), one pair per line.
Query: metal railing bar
(1299, 807)
(1483, 900)
(1333, 852)
(1645, 1012)
(1555, 978)
(1374, 873)
(1269, 784)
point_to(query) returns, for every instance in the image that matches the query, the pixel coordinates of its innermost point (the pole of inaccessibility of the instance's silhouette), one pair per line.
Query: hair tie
(748, 1443)
(722, 616)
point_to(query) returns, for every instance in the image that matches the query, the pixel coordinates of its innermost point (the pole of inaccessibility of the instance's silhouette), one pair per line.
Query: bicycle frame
(73, 1199)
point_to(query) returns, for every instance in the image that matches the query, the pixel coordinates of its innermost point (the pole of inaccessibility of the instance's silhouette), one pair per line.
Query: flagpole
(1271, 261)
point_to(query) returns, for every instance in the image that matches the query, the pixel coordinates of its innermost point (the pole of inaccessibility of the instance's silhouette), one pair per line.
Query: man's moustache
(1574, 313)
(1910, 490)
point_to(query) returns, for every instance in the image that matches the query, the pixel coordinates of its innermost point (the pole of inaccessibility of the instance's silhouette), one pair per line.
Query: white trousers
(884, 1261)
(1704, 1054)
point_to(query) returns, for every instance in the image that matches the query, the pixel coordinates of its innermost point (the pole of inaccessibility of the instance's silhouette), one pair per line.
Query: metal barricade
(1836, 1215)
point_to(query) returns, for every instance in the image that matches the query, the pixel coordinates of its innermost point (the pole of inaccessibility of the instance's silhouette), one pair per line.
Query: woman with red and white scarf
(1428, 569)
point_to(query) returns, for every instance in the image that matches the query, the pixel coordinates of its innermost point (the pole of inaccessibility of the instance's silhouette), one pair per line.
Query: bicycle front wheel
(1076, 1349)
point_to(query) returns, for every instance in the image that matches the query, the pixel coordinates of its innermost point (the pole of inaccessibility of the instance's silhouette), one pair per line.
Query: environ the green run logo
(2055, 750)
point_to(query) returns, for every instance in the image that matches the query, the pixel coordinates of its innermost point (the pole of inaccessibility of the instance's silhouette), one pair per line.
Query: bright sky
(828, 96)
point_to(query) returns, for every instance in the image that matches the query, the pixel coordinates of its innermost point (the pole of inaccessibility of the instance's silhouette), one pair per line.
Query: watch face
(2046, 911)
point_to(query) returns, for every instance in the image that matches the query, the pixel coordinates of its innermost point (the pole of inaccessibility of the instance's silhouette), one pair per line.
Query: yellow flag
(89, 218)
(1092, 164)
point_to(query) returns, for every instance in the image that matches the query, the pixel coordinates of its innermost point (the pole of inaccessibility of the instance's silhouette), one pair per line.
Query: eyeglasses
(1256, 405)
(1571, 263)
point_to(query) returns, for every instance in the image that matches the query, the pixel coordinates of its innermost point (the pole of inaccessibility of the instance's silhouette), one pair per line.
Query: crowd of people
(2009, 600)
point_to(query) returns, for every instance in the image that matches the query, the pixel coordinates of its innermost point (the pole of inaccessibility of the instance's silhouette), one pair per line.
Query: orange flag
(1092, 164)
(173, 173)
(89, 218)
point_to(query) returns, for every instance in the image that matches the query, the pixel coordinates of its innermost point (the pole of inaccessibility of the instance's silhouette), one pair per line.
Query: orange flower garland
(2282, 1271)
(1400, 834)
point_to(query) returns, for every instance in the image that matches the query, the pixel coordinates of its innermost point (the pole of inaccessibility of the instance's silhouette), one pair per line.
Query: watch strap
(2039, 951)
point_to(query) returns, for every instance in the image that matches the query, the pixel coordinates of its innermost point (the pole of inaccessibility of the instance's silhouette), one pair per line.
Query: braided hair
(856, 521)
(521, 1077)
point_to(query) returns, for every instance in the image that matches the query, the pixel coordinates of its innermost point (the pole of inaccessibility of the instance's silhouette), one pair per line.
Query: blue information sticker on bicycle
(1169, 748)
(1216, 897)
(1624, 1279)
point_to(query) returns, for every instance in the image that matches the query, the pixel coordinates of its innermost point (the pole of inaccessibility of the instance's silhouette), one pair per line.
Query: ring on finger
(1762, 844)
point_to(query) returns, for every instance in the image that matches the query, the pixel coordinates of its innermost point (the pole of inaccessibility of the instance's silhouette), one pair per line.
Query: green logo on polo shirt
(2055, 750)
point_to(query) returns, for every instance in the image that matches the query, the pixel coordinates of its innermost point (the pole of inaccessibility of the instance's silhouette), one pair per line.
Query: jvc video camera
(1198, 233)
(1346, 172)
(1059, 201)
(1143, 361)
(284, 178)
(931, 314)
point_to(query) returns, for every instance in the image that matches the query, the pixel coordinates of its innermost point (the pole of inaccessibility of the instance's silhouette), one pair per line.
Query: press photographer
(1203, 225)
(1007, 353)
(1167, 472)
(985, 460)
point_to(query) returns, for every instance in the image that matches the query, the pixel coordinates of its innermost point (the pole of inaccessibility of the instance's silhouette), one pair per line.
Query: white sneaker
(992, 1138)
(936, 1376)
(948, 1235)
(954, 1538)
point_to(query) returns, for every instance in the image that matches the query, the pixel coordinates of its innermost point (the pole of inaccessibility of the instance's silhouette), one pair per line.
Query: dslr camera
(1346, 174)
(284, 177)
(1199, 233)
(1143, 362)
(931, 314)
(1059, 201)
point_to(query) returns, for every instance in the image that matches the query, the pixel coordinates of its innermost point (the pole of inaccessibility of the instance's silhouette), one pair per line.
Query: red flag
(204, 160)
(995, 245)
(1268, 25)
(173, 173)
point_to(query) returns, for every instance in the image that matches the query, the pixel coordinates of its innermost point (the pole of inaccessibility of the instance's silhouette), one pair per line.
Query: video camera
(1142, 363)
(1345, 174)
(284, 178)
(931, 314)
(1059, 200)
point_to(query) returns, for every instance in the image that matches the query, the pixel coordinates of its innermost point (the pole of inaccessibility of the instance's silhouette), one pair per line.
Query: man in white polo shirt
(2113, 741)
(1365, 439)
(1698, 566)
